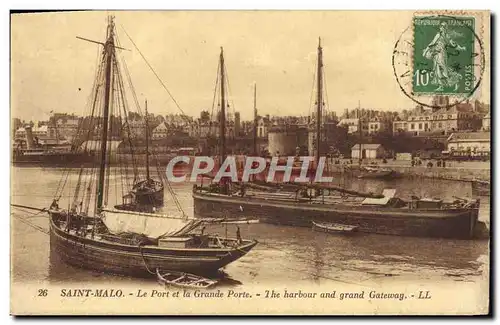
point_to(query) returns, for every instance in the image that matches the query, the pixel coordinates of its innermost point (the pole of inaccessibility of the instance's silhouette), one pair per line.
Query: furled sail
(149, 224)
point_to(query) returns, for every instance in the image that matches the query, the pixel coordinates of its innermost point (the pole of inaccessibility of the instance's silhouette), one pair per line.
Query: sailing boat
(375, 213)
(146, 195)
(129, 242)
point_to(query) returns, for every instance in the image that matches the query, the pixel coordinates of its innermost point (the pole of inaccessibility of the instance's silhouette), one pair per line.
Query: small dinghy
(183, 280)
(334, 228)
(240, 221)
(374, 172)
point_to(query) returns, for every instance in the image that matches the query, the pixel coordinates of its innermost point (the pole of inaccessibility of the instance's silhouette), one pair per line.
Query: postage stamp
(443, 55)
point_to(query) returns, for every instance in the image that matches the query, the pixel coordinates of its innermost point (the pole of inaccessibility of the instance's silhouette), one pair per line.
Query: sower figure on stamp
(443, 75)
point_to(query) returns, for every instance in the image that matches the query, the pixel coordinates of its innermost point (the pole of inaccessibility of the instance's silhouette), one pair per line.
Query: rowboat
(183, 280)
(244, 221)
(334, 228)
(372, 172)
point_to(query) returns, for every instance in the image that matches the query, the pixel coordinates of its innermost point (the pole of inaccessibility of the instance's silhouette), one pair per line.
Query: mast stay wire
(216, 89)
(157, 76)
(312, 88)
(229, 89)
(67, 170)
(184, 116)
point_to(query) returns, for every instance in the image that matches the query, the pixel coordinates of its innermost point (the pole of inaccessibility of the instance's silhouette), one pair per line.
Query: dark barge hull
(131, 260)
(54, 160)
(439, 223)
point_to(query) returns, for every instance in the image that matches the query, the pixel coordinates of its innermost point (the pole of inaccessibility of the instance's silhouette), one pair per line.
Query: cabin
(369, 151)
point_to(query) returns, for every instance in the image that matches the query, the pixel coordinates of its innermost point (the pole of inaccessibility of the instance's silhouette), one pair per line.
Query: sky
(52, 70)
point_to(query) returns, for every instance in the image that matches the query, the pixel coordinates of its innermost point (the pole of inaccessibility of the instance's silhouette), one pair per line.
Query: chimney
(30, 143)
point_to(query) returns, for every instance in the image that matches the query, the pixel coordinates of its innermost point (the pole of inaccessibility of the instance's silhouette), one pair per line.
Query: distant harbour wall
(449, 173)
(458, 172)
(464, 171)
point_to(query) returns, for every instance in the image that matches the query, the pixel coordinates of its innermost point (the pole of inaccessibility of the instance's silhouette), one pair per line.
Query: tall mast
(109, 49)
(147, 139)
(360, 135)
(319, 101)
(255, 119)
(222, 120)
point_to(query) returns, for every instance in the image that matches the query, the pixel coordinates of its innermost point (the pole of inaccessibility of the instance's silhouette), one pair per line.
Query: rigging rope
(95, 85)
(312, 88)
(154, 72)
(229, 89)
(23, 220)
(216, 88)
(124, 102)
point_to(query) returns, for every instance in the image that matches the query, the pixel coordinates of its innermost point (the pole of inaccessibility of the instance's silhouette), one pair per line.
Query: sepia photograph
(285, 162)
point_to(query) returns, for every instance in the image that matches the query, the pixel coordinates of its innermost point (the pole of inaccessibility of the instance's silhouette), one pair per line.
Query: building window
(420, 126)
(440, 125)
(412, 126)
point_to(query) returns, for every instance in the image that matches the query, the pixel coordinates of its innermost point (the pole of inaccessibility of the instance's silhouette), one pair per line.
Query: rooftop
(468, 136)
(367, 146)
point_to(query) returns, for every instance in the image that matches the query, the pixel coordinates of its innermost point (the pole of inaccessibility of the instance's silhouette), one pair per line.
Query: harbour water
(283, 255)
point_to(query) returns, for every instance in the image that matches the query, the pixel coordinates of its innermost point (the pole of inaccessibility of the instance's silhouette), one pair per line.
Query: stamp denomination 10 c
(443, 55)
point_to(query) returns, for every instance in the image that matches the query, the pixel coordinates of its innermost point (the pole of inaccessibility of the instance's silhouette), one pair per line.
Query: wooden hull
(138, 261)
(442, 223)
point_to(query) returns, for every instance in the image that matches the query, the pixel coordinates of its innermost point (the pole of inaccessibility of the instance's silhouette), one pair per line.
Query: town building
(486, 123)
(137, 128)
(263, 125)
(459, 117)
(378, 124)
(353, 125)
(65, 128)
(442, 121)
(368, 151)
(39, 132)
(473, 142)
(160, 132)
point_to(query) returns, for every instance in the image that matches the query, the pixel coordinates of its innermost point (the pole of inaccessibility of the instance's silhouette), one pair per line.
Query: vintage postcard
(250, 163)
